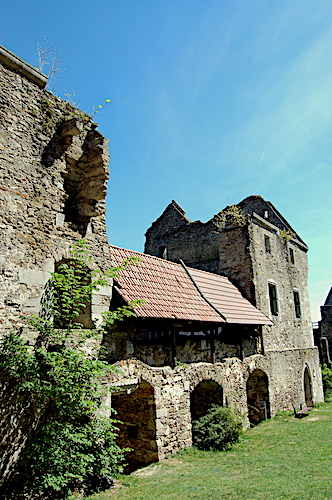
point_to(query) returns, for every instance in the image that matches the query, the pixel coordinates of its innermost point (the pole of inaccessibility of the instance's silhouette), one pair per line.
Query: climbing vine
(71, 446)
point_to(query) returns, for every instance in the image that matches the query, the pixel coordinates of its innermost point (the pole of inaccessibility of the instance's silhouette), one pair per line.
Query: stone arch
(135, 408)
(205, 394)
(307, 387)
(258, 397)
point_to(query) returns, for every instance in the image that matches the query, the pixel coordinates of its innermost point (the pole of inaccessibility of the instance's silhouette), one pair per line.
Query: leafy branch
(71, 446)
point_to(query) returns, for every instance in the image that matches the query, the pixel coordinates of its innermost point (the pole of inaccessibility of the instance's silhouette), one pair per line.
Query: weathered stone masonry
(53, 175)
(254, 252)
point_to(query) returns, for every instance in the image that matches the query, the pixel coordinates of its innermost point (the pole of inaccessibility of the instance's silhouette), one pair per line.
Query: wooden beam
(212, 335)
(173, 344)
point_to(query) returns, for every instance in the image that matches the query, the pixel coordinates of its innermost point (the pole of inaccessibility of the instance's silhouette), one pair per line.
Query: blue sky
(211, 101)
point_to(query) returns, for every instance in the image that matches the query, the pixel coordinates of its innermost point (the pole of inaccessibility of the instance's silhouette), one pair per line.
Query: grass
(283, 458)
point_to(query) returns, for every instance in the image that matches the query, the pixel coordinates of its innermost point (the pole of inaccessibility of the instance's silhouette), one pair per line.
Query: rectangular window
(297, 305)
(291, 256)
(273, 299)
(267, 244)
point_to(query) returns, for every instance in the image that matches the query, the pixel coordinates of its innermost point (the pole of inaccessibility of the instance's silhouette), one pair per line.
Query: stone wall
(325, 330)
(275, 267)
(53, 175)
(173, 389)
(195, 243)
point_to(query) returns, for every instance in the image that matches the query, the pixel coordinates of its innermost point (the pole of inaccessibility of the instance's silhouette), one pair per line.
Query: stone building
(54, 171)
(323, 332)
(195, 341)
(257, 249)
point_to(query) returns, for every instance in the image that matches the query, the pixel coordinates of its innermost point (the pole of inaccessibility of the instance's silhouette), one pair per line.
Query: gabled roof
(173, 291)
(328, 301)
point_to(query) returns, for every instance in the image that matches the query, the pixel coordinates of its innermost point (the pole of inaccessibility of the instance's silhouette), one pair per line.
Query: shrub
(327, 381)
(219, 429)
(70, 446)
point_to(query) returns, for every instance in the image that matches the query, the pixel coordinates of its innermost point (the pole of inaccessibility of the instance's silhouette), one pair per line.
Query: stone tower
(257, 249)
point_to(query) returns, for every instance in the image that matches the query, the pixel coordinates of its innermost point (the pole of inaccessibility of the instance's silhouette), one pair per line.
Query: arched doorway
(258, 397)
(307, 387)
(205, 394)
(135, 408)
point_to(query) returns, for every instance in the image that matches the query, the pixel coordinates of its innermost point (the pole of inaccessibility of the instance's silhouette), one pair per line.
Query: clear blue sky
(211, 101)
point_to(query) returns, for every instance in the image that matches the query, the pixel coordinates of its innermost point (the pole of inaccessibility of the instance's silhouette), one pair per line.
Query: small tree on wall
(71, 446)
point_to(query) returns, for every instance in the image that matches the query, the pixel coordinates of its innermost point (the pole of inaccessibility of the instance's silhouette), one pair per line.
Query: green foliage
(230, 215)
(286, 235)
(327, 381)
(219, 429)
(71, 446)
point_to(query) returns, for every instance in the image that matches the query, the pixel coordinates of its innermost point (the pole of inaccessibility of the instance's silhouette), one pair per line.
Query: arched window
(71, 294)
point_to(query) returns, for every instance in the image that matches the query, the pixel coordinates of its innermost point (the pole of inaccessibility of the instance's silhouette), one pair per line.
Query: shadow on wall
(137, 411)
(205, 394)
(307, 388)
(258, 397)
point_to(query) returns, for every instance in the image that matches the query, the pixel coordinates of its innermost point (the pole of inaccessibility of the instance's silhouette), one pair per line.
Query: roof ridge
(201, 293)
(147, 255)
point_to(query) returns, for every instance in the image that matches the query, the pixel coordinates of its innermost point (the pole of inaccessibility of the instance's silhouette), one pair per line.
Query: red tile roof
(225, 297)
(173, 291)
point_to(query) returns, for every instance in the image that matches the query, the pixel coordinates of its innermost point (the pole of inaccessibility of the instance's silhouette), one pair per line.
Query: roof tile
(171, 290)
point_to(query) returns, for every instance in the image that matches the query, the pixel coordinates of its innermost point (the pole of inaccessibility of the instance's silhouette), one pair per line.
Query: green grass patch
(283, 458)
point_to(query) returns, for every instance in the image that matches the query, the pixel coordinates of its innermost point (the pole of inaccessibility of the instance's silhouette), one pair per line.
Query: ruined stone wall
(53, 173)
(326, 328)
(54, 168)
(196, 243)
(173, 387)
(235, 259)
(276, 267)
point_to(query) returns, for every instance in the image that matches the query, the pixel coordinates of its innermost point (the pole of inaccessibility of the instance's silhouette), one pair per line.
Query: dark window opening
(162, 253)
(291, 256)
(273, 299)
(132, 431)
(267, 244)
(297, 304)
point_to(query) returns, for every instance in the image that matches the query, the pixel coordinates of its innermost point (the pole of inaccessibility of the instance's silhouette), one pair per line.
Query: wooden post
(213, 354)
(241, 345)
(173, 344)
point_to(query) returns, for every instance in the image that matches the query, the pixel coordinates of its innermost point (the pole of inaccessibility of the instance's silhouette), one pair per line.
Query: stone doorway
(205, 394)
(258, 397)
(307, 387)
(135, 408)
